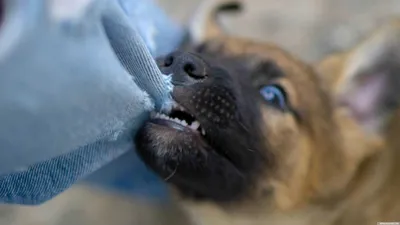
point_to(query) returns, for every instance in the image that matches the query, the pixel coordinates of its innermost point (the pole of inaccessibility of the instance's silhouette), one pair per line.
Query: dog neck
(375, 190)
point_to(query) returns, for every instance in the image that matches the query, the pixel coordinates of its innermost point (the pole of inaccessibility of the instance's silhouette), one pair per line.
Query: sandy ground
(309, 29)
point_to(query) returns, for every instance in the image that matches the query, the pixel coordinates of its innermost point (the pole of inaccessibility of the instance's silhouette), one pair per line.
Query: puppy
(256, 136)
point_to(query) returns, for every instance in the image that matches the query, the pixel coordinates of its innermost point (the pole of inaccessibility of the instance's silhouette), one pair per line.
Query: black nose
(185, 67)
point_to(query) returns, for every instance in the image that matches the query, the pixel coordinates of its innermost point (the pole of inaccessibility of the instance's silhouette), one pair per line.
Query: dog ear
(369, 86)
(205, 25)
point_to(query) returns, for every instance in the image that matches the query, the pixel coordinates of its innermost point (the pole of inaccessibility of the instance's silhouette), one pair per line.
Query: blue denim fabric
(73, 92)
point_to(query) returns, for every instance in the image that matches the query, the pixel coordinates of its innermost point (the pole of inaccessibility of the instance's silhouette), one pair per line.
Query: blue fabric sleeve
(72, 93)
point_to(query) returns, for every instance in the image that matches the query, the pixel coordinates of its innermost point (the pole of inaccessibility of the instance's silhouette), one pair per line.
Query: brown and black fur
(321, 159)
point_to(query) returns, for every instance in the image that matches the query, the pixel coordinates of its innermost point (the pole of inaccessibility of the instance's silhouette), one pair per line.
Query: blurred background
(309, 29)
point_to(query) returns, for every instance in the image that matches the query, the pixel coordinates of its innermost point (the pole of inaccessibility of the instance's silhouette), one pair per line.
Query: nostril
(189, 68)
(182, 65)
(169, 60)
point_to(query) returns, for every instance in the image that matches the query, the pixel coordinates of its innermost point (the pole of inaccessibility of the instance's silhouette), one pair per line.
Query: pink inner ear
(363, 99)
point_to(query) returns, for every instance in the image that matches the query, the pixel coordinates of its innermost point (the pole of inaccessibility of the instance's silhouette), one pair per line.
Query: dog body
(255, 136)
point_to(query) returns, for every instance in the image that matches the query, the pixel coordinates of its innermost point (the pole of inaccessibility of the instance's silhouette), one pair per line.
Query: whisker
(172, 174)
(243, 126)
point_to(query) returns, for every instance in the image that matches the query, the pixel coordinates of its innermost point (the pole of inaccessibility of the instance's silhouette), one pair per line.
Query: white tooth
(176, 105)
(195, 125)
(203, 132)
(182, 122)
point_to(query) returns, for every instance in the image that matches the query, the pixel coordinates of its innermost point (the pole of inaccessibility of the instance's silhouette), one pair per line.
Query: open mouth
(178, 118)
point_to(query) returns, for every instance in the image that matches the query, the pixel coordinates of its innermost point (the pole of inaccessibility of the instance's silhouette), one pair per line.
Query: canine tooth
(203, 132)
(195, 125)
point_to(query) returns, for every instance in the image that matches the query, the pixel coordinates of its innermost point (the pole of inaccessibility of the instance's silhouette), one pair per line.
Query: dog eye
(274, 95)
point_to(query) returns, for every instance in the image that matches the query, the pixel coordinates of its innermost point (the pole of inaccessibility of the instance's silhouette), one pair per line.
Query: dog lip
(180, 102)
(182, 97)
(177, 117)
(171, 124)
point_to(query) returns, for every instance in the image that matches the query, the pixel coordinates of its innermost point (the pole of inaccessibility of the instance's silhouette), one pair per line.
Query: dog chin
(170, 133)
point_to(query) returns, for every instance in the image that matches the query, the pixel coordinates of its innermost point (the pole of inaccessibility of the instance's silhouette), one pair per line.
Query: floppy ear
(369, 86)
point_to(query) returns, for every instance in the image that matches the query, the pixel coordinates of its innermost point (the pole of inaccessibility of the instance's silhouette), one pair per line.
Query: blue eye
(275, 95)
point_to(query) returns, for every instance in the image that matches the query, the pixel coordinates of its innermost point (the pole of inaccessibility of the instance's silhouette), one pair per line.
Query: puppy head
(247, 117)
(208, 143)
(250, 122)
